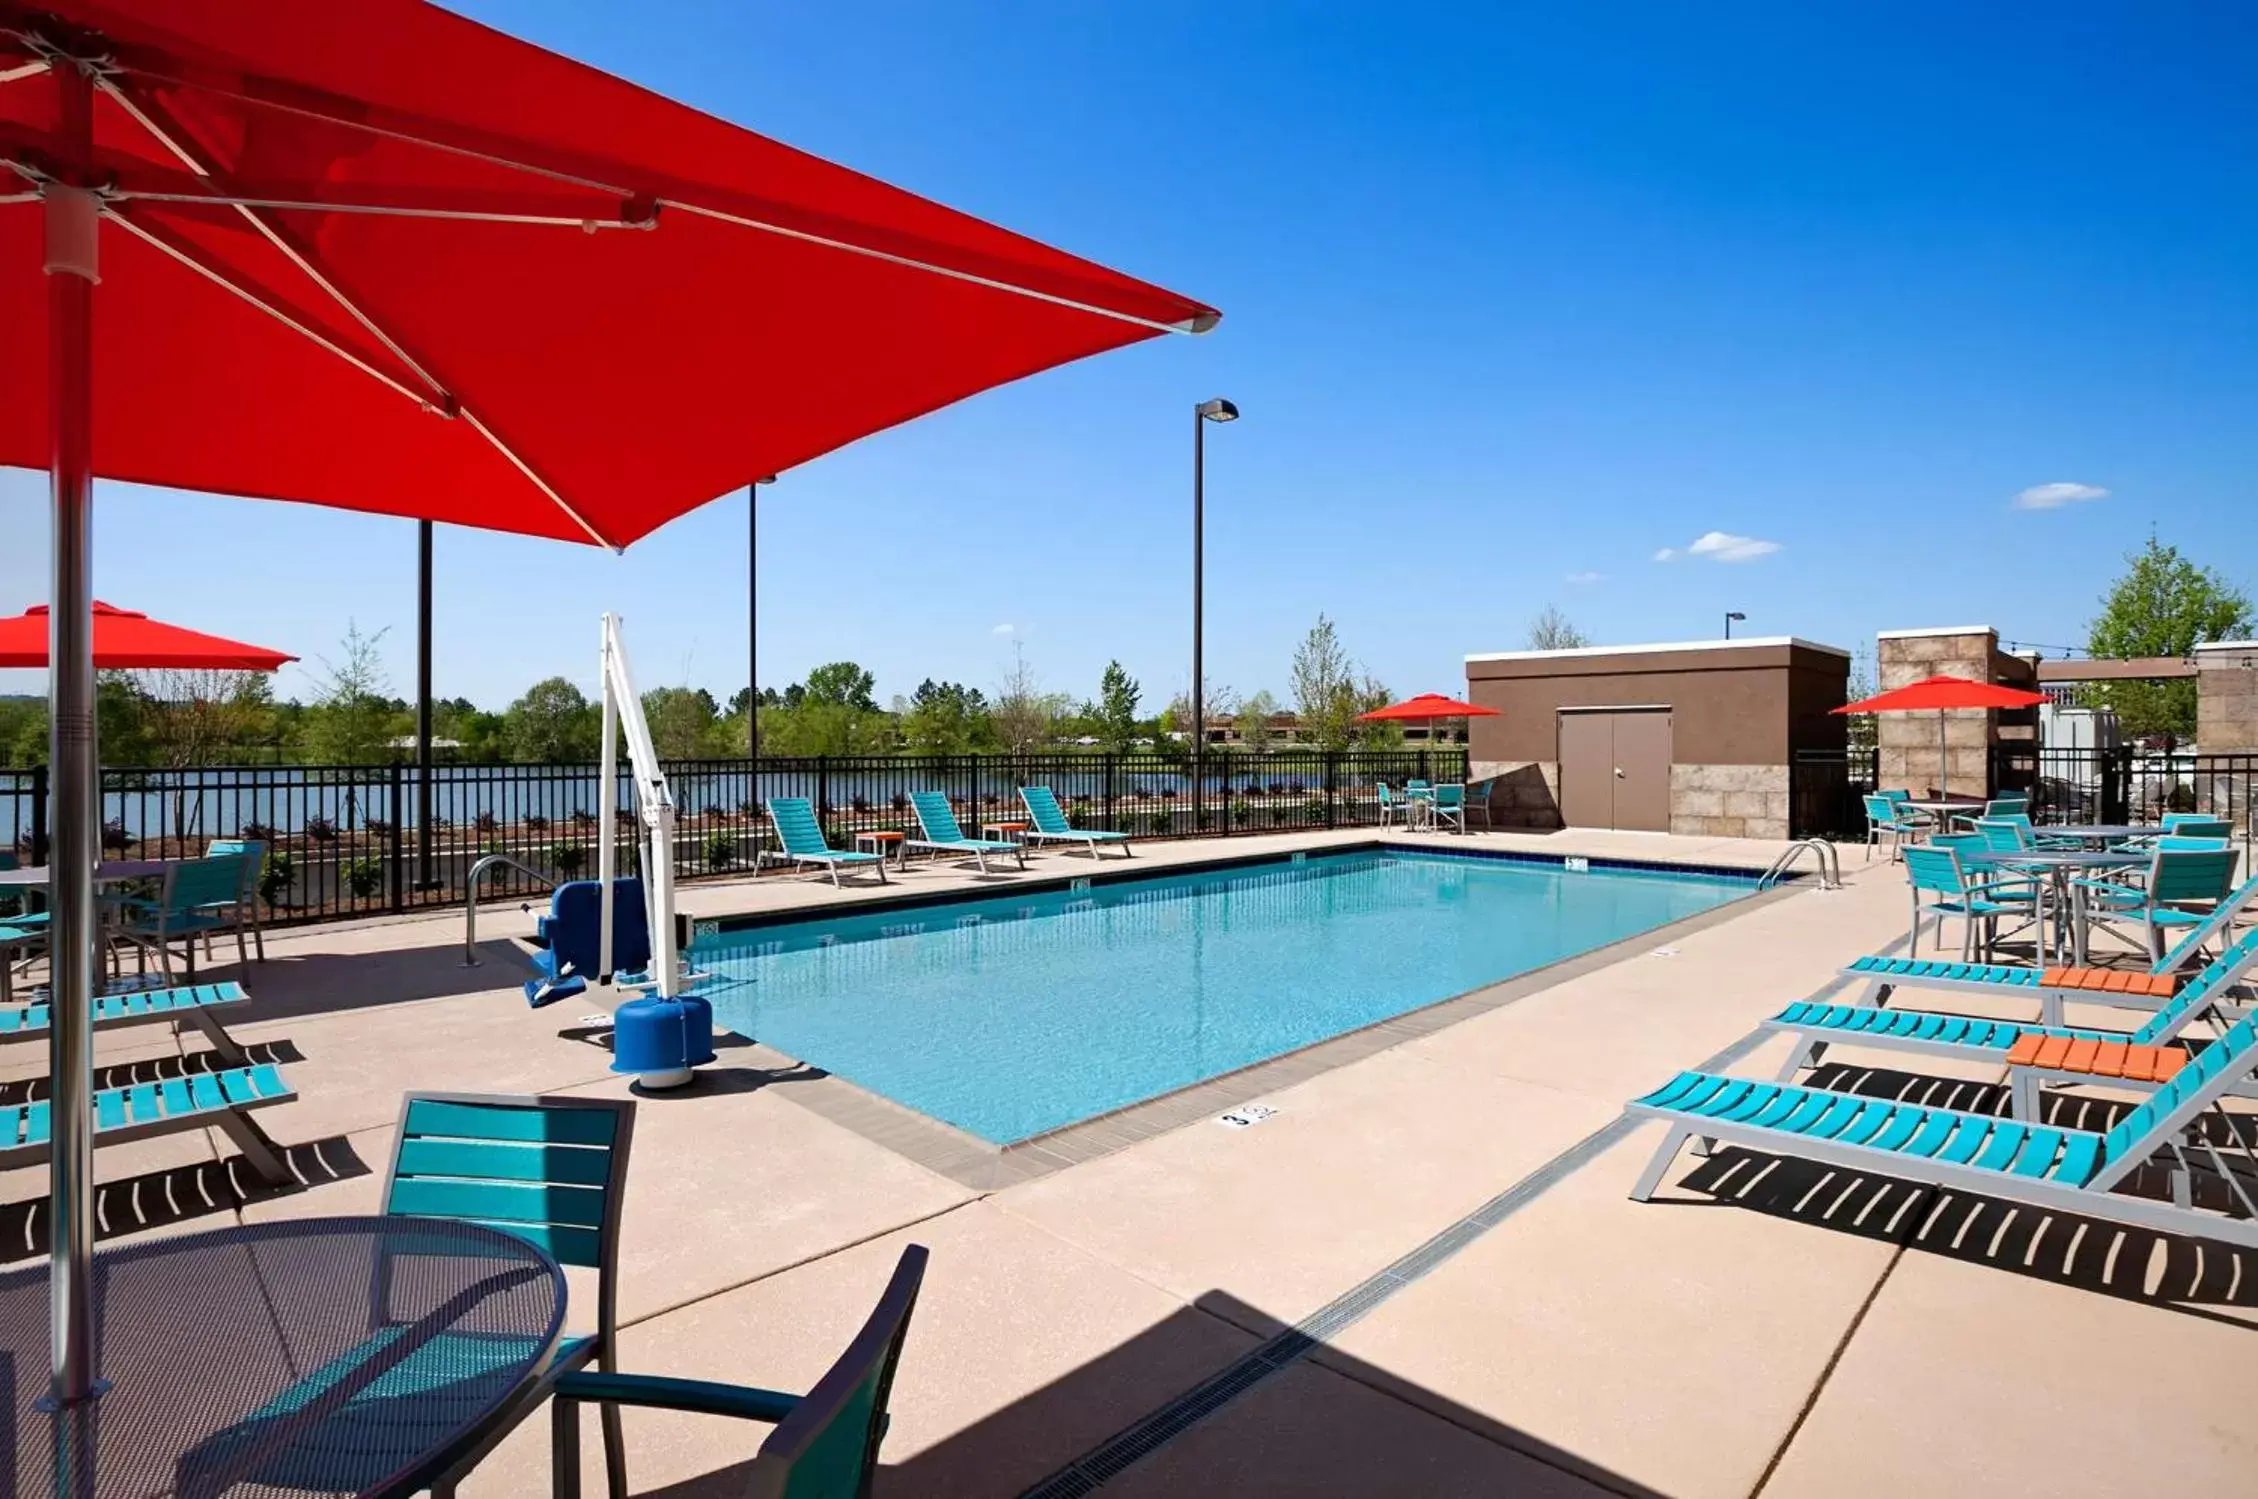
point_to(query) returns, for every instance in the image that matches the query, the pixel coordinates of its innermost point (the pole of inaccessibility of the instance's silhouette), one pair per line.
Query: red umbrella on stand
(1940, 695)
(1426, 708)
(125, 640)
(381, 257)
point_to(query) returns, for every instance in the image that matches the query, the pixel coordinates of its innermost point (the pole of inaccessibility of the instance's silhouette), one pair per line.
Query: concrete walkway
(1762, 1328)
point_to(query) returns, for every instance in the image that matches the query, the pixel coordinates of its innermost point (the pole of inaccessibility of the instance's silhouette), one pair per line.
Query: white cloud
(2054, 496)
(1721, 546)
(1586, 577)
(1003, 632)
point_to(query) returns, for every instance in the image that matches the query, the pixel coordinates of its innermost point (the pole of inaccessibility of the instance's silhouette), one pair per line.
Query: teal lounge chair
(140, 1110)
(1971, 1039)
(801, 837)
(194, 1005)
(825, 1445)
(2069, 1170)
(1051, 825)
(943, 836)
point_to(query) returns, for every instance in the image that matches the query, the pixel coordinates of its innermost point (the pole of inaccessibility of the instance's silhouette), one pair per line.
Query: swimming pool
(1015, 1015)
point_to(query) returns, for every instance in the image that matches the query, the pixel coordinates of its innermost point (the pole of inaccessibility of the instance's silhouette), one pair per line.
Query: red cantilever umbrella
(125, 640)
(1940, 695)
(1426, 708)
(381, 257)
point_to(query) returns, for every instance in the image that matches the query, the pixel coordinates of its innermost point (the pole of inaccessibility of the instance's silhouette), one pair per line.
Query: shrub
(486, 822)
(365, 876)
(115, 838)
(583, 818)
(900, 801)
(1163, 824)
(567, 859)
(321, 830)
(381, 826)
(1314, 809)
(1278, 788)
(258, 832)
(748, 810)
(534, 823)
(721, 851)
(1242, 813)
(1281, 813)
(274, 880)
(859, 802)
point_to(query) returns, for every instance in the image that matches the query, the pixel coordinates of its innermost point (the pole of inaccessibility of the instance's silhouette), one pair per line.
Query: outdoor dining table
(2056, 866)
(323, 1356)
(2099, 833)
(109, 872)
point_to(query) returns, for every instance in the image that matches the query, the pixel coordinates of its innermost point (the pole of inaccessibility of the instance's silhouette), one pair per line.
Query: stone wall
(1729, 801)
(1907, 742)
(2226, 698)
(1523, 793)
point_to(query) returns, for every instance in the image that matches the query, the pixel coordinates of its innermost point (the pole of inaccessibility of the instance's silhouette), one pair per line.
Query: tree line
(353, 717)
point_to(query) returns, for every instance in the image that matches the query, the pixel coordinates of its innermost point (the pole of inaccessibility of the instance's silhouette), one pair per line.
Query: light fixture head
(1217, 410)
(766, 479)
(1736, 614)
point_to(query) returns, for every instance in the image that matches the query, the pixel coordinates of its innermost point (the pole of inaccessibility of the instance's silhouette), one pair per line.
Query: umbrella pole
(72, 224)
(1944, 762)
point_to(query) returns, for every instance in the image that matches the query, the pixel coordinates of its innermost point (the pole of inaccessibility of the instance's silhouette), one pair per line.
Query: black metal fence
(2122, 786)
(1824, 788)
(343, 840)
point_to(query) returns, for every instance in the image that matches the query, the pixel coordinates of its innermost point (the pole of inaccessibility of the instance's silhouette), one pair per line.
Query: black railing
(343, 839)
(1824, 791)
(2121, 786)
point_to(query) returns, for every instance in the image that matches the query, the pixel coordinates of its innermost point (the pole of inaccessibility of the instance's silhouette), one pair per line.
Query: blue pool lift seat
(569, 937)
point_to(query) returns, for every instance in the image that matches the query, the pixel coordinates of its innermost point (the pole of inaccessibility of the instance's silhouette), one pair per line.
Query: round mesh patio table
(327, 1356)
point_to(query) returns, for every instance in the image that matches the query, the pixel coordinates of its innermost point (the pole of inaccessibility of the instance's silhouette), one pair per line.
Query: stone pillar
(1908, 742)
(2226, 697)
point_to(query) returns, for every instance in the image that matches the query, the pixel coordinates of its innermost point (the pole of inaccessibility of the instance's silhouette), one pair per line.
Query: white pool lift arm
(654, 802)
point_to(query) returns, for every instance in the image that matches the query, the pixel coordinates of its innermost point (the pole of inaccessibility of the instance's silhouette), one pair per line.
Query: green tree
(552, 724)
(684, 722)
(842, 683)
(1116, 715)
(1025, 716)
(1325, 687)
(354, 718)
(1551, 631)
(945, 718)
(2163, 605)
(1256, 729)
(1368, 694)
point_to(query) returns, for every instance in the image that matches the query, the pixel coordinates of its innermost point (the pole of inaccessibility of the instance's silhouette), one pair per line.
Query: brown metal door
(1587, 770)
(1642, 771)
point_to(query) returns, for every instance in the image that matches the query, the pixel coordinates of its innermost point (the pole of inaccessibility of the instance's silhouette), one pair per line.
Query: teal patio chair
(1936, 874)
(938, 822)
(548, 1170)
(253, 852)
(801, 838)
(2181, 887)
(2052, 1169)
(1886, 816)
(1391, 809)
(2197, 825)
(825, 1445)
(1446, 805)
(1051, 826)
(197, 898)
(2016, 805)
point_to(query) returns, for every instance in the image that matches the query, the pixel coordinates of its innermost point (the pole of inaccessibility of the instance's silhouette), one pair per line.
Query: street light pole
(1730, 616)
(1216, 410)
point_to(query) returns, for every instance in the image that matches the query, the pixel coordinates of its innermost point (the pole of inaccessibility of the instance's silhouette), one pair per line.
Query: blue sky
(1515, 298)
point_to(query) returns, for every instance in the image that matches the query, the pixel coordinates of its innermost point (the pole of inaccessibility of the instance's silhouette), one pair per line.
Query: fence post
(823, 793)
(392, 810)
(1110, 822)
(1332, 811)
(39, 814)
(1423, 772)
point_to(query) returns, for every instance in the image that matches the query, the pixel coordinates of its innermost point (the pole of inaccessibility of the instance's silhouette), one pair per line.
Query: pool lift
(662, 1035)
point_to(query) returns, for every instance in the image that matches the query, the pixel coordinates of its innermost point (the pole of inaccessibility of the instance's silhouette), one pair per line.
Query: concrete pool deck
(1481, 1309)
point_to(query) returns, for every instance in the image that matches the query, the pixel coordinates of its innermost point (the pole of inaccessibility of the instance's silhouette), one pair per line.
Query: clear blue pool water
(1015, 1015)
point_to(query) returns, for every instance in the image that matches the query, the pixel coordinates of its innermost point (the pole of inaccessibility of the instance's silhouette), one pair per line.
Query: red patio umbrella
(381, 257)
(1427, 707)
(126, 640)
(1940, 695)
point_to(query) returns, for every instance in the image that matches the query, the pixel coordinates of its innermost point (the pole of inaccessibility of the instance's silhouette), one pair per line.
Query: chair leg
(564, 1449)
(1807, 1054)
(1651, 1178)
(263, 1154)
(615, 1451)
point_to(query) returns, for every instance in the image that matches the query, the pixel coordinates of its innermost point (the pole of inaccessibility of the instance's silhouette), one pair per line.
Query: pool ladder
(1824, 855)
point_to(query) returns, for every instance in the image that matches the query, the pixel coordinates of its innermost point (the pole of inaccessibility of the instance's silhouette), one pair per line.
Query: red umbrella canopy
(1934, 694)
(126, 640)
(380, 257)
(1427, 705)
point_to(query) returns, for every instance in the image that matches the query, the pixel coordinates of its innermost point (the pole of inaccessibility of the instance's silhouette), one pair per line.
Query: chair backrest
(1042, 805)
(2014, 804)
(1386, 794)
(253, 852)
(936, 817)
(2186, 949)
(2004, 835)
(2181, 843)
(793, 817)
(1895, 796)
(1936, 870)
(1972, 843)
(827, 1448)
(575, 929)
(1448, 797)
(2191, 874)
(193, 884)
(1880, 810)
(549, 1170)
(2197, 825)
(2201, 991)
(2194, 1088)
(1415, 784)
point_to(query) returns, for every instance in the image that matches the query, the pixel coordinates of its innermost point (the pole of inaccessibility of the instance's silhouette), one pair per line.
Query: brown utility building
(1693, 738)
